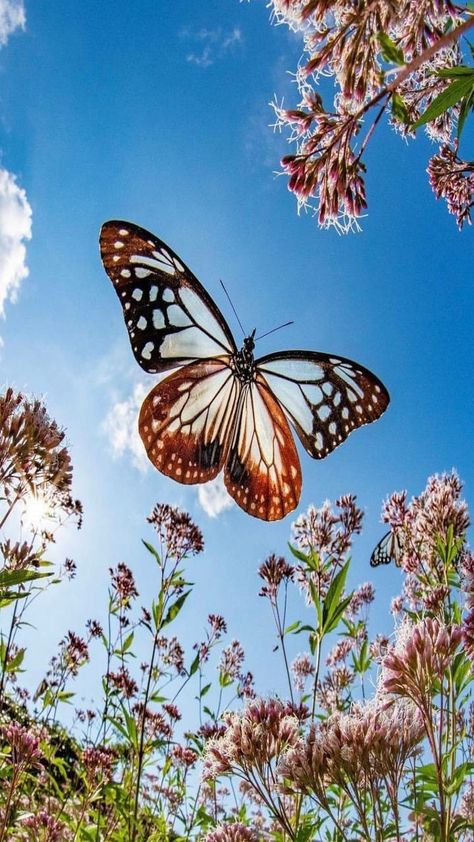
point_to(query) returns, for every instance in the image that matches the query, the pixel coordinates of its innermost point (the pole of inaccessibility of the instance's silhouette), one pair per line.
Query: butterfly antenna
(235, 311)
(274, 329)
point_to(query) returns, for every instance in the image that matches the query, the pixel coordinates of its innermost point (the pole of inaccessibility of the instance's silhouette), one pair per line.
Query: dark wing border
(109, 233)
(327, 362)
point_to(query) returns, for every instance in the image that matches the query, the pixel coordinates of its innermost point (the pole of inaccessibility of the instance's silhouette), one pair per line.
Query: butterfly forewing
(325, 397)
(262, 472)
(388, 549)
(170, 318)
(186, 421)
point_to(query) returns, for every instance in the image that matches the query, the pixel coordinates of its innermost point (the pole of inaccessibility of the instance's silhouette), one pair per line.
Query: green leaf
(446, 99)
(455, 72)
(205, 690)
(389, 49)
(175, 608)
(298, 554)
(17, 577)
(335, 590)
(293, 627)
(152, 551)
(399, 109)
(16, 662)
(11, 596)
(333, 620)
(467, 104)
(225, 680)
(128, 642)
(194, 666)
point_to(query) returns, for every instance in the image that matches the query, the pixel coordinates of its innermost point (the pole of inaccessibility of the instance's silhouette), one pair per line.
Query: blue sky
(157, 112)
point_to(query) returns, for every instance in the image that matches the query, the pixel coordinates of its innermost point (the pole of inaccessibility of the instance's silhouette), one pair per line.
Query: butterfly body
(222, 409)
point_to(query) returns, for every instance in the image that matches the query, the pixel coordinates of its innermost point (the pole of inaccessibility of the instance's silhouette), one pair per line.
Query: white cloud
(15, 228)
(121, 427)
(213, 497)
(12, 16)
(211, 44)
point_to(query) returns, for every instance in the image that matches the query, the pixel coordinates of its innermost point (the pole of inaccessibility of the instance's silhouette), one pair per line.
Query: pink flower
(302, 668)
(453, 179)
(235, 832)
(274, 571)
(252, 740)
(177, 531)
(421, 656)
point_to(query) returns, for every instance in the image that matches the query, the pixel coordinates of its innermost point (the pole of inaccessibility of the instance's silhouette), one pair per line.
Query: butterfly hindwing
(186, 420)
(170, 318)
(325, 397)
(262, 471)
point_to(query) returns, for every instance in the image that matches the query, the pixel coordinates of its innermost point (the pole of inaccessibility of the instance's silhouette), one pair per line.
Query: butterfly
(388, 549)
(222, 408)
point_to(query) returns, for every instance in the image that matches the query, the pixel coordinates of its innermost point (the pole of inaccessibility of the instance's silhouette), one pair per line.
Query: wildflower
(379, 647)
(95, 629)
(253, 739)
(70, 568)
(302, 668)
(326, 532)
(421, 655)
(235, 832)
(33, 459)
(426, 521)
(396, 606)
(210, 730)
(466, 808)
(369, 744)
(364, 595)
(123, 682)
(274, 571)
(172, 653)
(468, 634)
(340, 651)
(184, 756)
(74, 652)
(123, 585)
(19, 556)
(99, 763)
(246, 689)
(231, 661)
(44, 827)
(23, 744)
(467, 574)
(176, 530)
(331, 690)
(453, 179)
(172, 711)
(217, 624)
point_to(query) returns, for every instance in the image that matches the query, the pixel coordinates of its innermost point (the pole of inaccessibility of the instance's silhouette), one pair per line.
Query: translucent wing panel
(388, 549)
(262, 471)
(325, 397)
(170, 318)
(186, 421)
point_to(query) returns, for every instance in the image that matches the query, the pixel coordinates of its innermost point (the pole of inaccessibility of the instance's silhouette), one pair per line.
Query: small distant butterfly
(388, 549)
(223, 409)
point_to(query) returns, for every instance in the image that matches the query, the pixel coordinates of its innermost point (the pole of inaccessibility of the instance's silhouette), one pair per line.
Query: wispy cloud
(121, 428)
(12, 16)
(213, 497)
(210, 44)
(15, 228)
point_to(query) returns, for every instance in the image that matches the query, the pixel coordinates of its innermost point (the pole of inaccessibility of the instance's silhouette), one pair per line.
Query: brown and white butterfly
(223, 409)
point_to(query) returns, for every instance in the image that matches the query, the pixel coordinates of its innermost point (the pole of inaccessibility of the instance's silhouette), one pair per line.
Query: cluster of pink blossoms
(348, 41)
